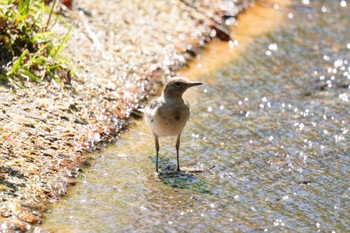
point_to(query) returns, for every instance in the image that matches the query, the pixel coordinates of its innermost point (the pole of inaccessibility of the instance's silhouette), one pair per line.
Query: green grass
(27, 48)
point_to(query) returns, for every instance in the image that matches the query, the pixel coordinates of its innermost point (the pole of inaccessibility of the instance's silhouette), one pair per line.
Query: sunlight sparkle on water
(344, 97)
(233, 43)
(273, 47)
(278, 222)
(326, 58)
(301, 126)
(324, 9)
(343, 3)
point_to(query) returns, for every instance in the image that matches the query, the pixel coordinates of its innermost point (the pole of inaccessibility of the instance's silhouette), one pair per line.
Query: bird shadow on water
(185, 179)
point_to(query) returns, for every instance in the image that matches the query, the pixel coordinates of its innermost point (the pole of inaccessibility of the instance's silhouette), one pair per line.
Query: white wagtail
(167, 115)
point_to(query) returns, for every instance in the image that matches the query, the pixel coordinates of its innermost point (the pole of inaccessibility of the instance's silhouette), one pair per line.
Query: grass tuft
(27, 48)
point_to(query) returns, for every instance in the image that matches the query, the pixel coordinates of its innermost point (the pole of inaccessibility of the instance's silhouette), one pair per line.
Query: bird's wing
(153, 104)
(152, 108)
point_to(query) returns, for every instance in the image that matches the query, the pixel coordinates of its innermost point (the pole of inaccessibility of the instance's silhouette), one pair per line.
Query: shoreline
(47, 131)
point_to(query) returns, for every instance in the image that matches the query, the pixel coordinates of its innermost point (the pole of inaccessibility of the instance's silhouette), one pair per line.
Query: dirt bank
(119, 50)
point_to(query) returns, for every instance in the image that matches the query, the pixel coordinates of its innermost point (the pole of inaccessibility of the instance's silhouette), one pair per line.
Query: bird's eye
(177, 84)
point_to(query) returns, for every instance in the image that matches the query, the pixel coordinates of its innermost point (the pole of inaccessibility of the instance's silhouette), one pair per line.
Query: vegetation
(28, 50)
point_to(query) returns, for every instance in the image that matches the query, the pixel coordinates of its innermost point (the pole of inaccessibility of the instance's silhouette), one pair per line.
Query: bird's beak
(192, 84)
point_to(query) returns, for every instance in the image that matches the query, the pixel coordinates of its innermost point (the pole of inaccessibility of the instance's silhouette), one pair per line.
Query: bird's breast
(170, 120)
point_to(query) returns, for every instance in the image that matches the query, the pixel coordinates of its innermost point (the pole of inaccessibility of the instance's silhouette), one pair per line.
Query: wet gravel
(120, 51)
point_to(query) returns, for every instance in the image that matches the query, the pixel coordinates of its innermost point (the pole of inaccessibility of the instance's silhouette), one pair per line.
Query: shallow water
(273, 121)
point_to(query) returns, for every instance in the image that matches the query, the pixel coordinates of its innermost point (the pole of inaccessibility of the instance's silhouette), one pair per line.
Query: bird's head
(176, 86)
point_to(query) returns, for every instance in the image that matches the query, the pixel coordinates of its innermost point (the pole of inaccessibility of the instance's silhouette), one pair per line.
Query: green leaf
(35, 55)
(43, 37)
(23, 7)
(16, 65)
(16, 83)
(60, 47)
(31, 75)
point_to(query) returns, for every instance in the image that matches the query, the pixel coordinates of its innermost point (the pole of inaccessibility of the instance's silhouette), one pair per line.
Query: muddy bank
(119, 50)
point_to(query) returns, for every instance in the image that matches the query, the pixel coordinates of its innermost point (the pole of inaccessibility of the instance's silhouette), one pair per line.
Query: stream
(272, 117)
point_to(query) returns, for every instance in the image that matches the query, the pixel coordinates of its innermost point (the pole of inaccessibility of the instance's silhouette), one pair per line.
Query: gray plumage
(167, 115)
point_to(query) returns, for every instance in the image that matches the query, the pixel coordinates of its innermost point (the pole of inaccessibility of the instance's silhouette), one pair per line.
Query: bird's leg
(177, 152)
(157, 150)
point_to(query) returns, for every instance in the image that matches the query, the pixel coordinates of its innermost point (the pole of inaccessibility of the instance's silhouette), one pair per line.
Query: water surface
(273, 121)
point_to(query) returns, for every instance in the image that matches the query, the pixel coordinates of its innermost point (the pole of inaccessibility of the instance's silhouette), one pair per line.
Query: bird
(168, 114)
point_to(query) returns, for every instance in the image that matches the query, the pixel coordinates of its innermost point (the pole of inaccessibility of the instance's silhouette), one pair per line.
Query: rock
(29, 218)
